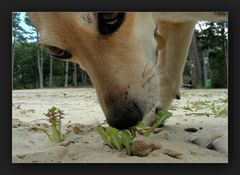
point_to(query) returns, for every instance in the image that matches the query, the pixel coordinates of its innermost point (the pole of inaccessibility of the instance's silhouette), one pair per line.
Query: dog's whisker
(154, 64)
(158, 72)
(146, 70)
(149, 79)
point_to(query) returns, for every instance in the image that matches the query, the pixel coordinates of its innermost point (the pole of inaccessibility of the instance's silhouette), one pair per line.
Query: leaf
(141, 125)
(160, 119)
(126, 141)
(101, 131)
(132, 131)
(115, 139)
(123, 139)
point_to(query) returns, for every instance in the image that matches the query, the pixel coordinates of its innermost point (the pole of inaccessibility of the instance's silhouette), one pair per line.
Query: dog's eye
(109, 22)
(59, 53)
(110, 18)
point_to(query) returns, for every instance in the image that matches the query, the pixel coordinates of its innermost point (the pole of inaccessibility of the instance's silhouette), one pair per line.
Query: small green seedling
(219, 110)
(161, 118)
(173, 107)
(188, 107)
(54, 117)
(119, 139)
(126, 139)
(115, 138)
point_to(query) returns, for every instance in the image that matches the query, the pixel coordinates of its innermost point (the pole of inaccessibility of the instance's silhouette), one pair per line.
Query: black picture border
(6, 167)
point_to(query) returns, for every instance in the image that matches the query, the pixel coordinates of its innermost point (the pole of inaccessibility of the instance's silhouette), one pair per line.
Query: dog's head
(118, 51)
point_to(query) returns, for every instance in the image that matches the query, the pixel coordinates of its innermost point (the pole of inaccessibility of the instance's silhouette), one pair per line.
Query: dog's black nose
(124, 116)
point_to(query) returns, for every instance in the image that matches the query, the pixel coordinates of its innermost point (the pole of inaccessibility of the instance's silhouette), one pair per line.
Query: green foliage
(188, 107)
(54, 117)
(126, 139)
(119, 139)
(25, 66)
(219, 110)
(161, 118)
(213, 38)
(116, 138)
(173, 107)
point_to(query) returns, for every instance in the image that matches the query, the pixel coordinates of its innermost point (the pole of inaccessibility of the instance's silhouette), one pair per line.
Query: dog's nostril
(158, 109)
(178, 97)
(124, 116)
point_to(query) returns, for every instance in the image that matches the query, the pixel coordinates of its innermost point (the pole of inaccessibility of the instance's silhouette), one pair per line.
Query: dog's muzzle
(124, 116)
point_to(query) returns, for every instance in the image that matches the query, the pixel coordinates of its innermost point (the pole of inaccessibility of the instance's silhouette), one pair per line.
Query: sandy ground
(84, 145)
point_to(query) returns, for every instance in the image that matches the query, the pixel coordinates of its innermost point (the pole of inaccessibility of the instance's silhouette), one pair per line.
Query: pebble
(21, 156)
(65, 143)
(16, 123)
(191, 129)
(157, 130)
(77, 130)
(142, 146)
(172, 153)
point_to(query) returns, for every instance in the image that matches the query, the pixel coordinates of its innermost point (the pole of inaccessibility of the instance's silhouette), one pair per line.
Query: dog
(135, 60)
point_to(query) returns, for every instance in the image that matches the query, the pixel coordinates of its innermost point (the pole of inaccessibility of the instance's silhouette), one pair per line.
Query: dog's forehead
(55, 26)
(86, 20)
(41, 20)
(60, 29)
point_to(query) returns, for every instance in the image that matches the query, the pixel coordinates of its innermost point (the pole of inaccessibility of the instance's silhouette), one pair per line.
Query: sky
(25, 26)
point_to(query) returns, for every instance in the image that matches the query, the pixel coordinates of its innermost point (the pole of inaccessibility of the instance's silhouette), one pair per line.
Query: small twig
(199, 113)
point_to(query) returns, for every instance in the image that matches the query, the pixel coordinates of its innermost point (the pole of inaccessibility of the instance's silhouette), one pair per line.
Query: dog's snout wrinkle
(124, 116)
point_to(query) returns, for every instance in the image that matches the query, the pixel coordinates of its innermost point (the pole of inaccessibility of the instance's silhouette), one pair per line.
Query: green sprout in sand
(161, 118)
(54, 117)
(119, 139)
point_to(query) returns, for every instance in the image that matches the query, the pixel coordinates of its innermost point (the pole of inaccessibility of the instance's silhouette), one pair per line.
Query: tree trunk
(206, 65)
(40, 67)
(75, 74)
(40, 63)
(66, 74)
(51, 71)
(197, 80)
(82, 76)
(85, 78)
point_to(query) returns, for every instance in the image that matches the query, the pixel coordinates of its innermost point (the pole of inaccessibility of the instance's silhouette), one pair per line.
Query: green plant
(188, 107)
(54, 117)
(173, 107)
(161, 118)
(223, 100)
(196, 106)
(120, 139)
(219, 110)
(116, 138)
